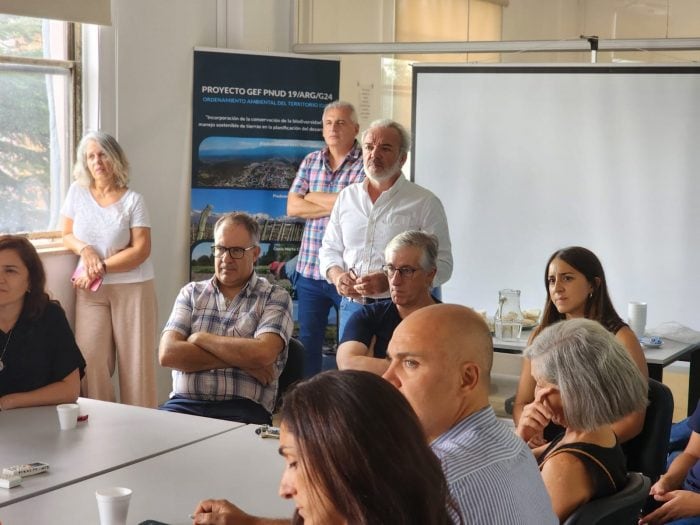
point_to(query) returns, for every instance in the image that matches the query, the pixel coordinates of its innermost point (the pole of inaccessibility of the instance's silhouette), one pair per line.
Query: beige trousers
(117, 324)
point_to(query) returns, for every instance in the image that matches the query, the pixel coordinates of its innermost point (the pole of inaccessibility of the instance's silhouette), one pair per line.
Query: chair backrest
(646, 453)
(293, 369)
(622, 508)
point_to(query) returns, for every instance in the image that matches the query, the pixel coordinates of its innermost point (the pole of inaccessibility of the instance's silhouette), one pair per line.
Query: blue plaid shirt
(259, 308)
(315, 174)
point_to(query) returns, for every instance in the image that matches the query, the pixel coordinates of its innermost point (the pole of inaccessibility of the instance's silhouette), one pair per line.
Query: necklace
(7, 342)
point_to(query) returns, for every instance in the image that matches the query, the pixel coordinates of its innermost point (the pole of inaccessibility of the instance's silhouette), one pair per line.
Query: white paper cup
(68, 415)
(113, 505)
(637, 317)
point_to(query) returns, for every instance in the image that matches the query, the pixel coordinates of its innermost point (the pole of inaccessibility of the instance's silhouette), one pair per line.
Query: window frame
(72, 66)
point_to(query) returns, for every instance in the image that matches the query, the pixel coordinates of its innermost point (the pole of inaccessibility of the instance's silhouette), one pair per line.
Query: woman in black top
(577, 288)
(40, 363)
(585, 381)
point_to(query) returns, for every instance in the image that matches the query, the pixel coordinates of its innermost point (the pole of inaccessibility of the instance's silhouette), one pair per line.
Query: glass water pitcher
(508, 321)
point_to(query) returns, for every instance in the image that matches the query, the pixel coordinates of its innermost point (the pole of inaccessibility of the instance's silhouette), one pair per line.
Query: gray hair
(242, 219)
(340, 104)
(405, 136)
(428, 244)
(114, 152)
(597, 379)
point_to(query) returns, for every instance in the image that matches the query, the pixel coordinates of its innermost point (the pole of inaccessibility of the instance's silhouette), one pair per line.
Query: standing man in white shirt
(367, 215)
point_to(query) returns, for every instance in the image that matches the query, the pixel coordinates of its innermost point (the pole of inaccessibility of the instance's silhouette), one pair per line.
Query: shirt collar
(474, 419)
(247, 288)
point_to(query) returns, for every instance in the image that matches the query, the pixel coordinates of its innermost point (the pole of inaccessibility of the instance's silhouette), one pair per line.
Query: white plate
(529, 324)
(648, 343)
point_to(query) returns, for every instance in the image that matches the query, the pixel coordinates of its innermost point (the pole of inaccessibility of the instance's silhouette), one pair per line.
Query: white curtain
(84, 11)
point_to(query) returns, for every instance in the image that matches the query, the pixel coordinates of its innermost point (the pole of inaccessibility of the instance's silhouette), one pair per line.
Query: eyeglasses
(235, 252)
(406, 272)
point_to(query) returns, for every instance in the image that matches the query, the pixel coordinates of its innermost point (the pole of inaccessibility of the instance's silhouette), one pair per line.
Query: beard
(380, 174)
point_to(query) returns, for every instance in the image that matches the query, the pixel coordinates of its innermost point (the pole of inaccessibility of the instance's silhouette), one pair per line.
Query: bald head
(440, 360)
(455, 333)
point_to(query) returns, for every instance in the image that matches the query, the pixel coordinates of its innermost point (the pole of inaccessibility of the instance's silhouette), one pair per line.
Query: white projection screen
(529, 159)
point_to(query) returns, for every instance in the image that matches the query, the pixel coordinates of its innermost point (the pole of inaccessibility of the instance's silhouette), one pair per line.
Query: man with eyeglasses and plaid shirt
(226, 339)
(411, 265)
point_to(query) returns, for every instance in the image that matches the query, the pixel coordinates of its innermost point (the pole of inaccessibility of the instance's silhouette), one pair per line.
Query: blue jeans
(686, 521)
(315, 297)
(236, 409)
(680, 435)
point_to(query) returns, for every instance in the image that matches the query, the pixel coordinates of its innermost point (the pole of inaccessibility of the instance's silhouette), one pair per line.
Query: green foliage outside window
(28, 125)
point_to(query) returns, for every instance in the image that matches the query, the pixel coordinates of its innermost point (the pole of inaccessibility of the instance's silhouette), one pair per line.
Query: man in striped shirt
(322, 174)
(440, 359)
(226, 338)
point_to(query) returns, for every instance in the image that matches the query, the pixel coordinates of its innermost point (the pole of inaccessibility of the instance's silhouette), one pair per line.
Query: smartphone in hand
(80, 271)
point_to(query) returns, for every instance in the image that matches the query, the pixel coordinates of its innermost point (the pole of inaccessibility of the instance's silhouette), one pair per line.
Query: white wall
(361, 81)
(152, 114)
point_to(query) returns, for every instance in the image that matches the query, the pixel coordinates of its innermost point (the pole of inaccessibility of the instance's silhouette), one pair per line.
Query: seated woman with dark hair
(40, 363)
(355, 454)
(585, 381)
(576, 288)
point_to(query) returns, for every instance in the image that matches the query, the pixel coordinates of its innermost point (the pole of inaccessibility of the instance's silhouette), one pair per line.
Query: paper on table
(676, 332)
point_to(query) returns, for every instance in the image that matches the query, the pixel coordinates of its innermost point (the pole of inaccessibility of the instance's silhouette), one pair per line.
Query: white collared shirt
(359, 230)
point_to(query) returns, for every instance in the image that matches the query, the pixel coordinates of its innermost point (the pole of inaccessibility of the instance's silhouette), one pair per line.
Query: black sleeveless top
(606, 466)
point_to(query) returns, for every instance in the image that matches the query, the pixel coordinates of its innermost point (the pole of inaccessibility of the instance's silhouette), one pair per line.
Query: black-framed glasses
(406, 272)
(236, 252)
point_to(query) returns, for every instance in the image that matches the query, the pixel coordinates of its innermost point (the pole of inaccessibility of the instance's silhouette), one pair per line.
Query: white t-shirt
(108, 229)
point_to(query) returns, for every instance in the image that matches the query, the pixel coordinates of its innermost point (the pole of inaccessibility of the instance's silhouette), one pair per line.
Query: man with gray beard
(367, 215)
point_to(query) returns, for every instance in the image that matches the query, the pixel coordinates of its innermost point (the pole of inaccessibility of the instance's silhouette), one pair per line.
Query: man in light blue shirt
(440, 360)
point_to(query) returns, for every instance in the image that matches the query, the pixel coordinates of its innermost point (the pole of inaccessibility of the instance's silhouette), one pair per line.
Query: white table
(114, 436)
(237, 465)
(657, 359)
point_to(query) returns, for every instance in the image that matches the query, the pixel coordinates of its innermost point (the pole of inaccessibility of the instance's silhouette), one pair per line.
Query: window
(38, 78)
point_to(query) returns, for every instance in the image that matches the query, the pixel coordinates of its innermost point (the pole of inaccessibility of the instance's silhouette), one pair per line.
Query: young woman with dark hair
(576, 288)
(40, 363)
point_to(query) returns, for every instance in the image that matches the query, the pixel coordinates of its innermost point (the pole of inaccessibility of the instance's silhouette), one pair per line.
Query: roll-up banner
(254, 118)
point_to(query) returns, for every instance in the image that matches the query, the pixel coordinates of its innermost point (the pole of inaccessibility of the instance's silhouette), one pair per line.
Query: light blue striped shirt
(491, 473)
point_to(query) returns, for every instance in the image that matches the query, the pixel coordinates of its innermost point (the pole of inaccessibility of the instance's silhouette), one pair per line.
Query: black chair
(293, 369)
(646, 453)
(622, 508)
